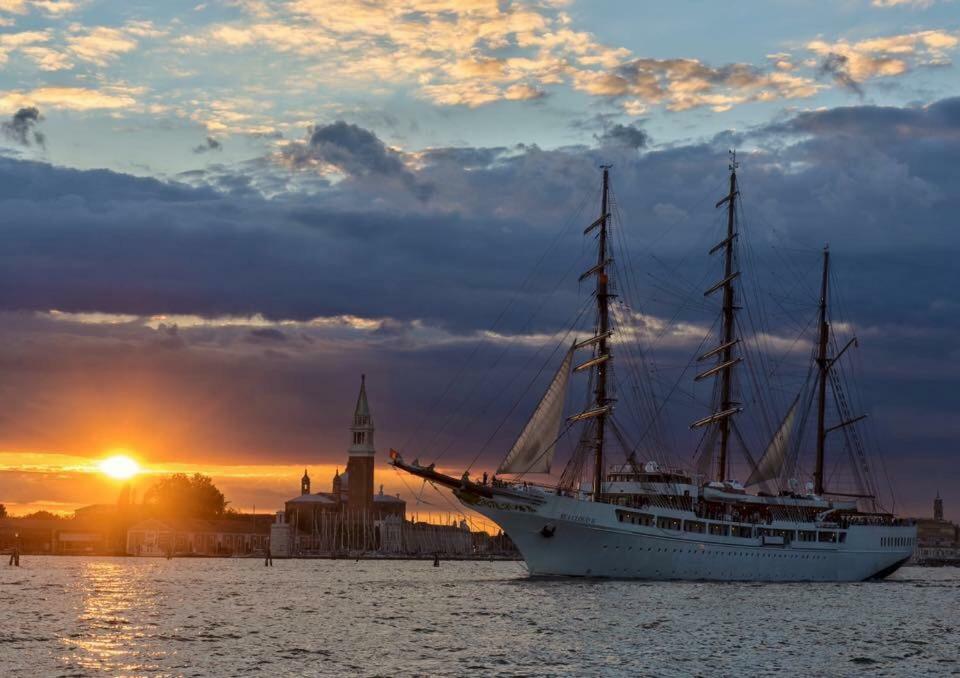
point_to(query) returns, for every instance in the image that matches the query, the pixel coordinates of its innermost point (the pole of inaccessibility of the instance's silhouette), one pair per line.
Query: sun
(120, 467)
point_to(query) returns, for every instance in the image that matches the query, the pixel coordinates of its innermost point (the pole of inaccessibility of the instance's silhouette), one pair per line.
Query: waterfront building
(352, 515)
(196, 537)
(938, 540)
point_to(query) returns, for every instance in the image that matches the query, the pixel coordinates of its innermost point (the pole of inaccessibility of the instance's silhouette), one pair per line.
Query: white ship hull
(565, 536)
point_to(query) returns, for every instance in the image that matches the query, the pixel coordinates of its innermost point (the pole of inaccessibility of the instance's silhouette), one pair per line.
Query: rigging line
(530, 384)
(637, 349)
(551, 341)
(755, 321)
(444, 496)
(647, 397)
(841, 383)
(669, 324)
(868, 428)
(683, 373)
(787, 351)
(409, 489)
(631, 287)
(513, 298)
(490, 369)
(546, 449)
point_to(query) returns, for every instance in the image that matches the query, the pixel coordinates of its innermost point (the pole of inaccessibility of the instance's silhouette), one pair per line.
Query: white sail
(773, 460)
(534, 449)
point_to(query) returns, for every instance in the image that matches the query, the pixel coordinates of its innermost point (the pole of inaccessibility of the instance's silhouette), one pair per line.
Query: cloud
(100, 44)
(22, 127)
(209, 144)
(70, 98)
(478, 53)
(853, 63)
(938, 120)
(836, 65)
(684, 84)
(49, 7)
(354, 151)
(902, 3)
(10, 42)
(48, 59)
(624, 135)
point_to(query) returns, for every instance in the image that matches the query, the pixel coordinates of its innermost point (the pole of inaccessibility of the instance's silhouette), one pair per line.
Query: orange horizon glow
(260, 488)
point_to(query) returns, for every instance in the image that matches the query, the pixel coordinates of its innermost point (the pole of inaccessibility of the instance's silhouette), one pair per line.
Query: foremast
(601, 357)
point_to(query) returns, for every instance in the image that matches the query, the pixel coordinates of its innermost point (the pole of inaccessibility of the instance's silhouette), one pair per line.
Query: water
(193, 617)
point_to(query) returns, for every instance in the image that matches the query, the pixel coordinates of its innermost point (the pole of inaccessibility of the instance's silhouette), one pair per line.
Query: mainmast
(824, 366)
(726, 375)
(603, 326)
(724, 352)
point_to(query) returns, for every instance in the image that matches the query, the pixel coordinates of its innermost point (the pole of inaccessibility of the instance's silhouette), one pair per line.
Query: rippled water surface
(83, 616)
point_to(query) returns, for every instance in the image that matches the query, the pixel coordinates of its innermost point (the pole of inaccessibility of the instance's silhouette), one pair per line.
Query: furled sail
(534, 450)
(777, 453)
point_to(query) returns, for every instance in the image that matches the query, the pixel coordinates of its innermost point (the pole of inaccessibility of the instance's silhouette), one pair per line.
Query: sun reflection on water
(114, 600)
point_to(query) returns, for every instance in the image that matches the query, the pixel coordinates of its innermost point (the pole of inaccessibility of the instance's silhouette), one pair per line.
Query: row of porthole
(738, 553)
(897, 541)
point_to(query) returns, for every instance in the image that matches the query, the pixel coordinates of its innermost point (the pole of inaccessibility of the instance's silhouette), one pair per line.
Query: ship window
(843, 537)
(668, 523)
(808, 535)
(829, 537)
(717, 528)
(694, 526)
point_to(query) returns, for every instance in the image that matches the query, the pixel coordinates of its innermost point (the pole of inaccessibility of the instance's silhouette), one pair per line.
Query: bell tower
(305, 483)
(938, 507)
(361, 455)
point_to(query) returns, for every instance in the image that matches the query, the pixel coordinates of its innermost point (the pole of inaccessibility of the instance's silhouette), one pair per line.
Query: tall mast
(603, 327)
(723, 353)
(824, 366)
(726, 375)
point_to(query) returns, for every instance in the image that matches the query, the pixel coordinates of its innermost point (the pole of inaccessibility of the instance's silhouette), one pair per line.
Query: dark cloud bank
(443, 240)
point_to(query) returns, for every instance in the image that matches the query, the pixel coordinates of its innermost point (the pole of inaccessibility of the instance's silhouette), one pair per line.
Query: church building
(351, 515)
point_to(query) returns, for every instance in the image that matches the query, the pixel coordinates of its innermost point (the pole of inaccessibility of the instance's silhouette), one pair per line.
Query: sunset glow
(119, 467)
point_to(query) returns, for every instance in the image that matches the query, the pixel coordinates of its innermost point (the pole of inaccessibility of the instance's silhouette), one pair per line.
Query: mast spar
(726, 361)
(726, 374)
(824, 367)
(603, 332)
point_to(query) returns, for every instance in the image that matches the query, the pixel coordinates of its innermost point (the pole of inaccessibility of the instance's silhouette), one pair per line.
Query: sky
(217, 215)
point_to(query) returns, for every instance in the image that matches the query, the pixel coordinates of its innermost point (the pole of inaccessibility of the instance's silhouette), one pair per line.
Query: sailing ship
(648, 520)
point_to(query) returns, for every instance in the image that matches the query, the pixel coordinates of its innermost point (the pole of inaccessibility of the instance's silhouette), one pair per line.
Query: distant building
(351, 516)
(938, 540)
(97, 529)
(196, 537)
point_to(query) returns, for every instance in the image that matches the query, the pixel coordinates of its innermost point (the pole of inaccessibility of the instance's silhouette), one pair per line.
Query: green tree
(183, 496)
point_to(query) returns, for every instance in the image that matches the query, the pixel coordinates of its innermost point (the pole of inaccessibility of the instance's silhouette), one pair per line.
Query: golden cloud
(888, 56)
(69, 98)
